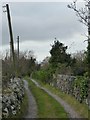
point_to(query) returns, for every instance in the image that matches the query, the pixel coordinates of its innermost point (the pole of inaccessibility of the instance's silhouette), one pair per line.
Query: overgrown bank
(80, 108)
(76, 86)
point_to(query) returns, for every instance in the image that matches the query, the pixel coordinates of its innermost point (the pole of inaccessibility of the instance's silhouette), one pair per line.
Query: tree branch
(81, 13)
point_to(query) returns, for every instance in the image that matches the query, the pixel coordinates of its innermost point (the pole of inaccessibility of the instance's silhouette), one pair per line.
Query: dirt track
(32, 108)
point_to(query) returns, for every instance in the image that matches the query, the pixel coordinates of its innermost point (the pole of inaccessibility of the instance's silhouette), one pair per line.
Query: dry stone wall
(12, 97)
(67, 84)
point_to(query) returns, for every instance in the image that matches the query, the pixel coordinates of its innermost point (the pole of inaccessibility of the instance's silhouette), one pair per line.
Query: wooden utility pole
(89, 18)
(89, 55)
(11, 35)
(18, 55)
(18, 47)
(89, 21)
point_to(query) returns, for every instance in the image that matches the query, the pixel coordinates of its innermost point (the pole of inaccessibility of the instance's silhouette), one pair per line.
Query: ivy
(81, 86)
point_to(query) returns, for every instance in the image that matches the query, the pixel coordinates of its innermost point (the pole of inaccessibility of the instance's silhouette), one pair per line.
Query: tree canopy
(58, 54)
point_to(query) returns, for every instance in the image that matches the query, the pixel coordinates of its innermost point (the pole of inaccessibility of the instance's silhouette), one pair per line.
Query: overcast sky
(38, 23)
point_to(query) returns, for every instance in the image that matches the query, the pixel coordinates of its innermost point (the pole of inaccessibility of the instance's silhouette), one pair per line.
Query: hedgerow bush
(44, 75)
(80, 88)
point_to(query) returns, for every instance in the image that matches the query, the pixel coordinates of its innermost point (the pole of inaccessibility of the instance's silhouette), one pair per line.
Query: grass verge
(47, 106)
(80, 108)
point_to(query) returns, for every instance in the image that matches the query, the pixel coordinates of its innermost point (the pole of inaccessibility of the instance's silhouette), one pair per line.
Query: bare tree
(82, 13)
(84, 17)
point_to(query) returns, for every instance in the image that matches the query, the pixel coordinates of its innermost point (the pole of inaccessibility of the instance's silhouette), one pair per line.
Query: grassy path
(71, 112)
(47, 106)
(80, 108)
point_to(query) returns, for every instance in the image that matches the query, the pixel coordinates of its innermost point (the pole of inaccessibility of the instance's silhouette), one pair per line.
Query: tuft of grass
(47, 106)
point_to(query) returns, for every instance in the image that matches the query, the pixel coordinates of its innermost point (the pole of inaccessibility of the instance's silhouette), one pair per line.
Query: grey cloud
(41, 21)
